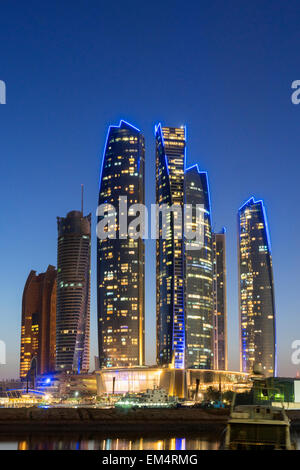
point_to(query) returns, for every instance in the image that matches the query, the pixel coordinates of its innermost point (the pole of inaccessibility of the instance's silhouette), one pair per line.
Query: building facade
(198, 273)
(220, 301)
(121, 255)
(256, 290)
(170, 314)
(184, 263)
(73, 293)
(38, 327)
(193, 383)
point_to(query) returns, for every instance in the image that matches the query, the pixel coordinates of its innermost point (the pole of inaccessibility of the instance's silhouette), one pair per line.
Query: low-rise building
(182, 383)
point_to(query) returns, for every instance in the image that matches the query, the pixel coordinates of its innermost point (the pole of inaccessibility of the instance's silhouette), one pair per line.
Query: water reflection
(95, 443)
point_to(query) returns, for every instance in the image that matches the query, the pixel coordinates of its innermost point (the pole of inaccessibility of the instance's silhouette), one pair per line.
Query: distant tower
(121, 260)
(256, 290)
(73, 292)
(220, 305)
(38, 322)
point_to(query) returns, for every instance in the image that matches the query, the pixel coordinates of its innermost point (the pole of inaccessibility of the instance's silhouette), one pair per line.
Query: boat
(257, 427)
(152, 398)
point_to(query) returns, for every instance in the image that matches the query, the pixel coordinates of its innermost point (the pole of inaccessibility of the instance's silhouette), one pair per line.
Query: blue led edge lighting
(179, 349)
(185, 139)
(201, 173)
(128, 124)
(104, 153)
(208, 191)
(266, 224)
(207, 181)
(193, 166)
(249, 201)
(106, 140)
(252, 201)
(157, 127)
(158, 130)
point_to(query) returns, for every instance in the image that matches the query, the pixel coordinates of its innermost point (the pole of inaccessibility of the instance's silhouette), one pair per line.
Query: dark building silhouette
(199, 275)
(256, 290)
(38, 328)
(73, 292)
(220, 301)
(120, 257)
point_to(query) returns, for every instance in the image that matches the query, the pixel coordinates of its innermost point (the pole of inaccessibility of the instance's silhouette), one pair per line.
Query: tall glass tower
(256, 290)
(73, 292)
(199, 275)
(120, 257)
(220, 301)
(170, 315)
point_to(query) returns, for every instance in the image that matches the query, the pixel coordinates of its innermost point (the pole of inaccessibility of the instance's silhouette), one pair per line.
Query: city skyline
(191, 275)
(231, 86)
(166, 152)
(192, 179)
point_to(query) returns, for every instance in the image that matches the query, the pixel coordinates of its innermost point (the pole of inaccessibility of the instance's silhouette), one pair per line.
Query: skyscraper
(38, 322)
(220, 306)
(170, 314)
(120, 256)
(184, 264)
(199, 275)
(73, 292)
(256, 290)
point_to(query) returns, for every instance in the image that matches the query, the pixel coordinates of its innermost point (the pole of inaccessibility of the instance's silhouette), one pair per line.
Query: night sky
(223, 69)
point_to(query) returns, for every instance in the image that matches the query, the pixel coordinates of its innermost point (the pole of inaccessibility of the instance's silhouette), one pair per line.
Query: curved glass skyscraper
(256, 290)
(170, 315)
(73, 292)
(184, 276)
(120, 258)
(199, 275)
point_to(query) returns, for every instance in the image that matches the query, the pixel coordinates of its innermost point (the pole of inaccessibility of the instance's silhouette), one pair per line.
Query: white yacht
(152, 398)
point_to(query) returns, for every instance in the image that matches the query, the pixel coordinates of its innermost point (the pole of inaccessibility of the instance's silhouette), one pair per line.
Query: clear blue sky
(222, 68)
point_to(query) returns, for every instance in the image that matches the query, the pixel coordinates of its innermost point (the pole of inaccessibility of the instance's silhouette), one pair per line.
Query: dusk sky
(223, 69)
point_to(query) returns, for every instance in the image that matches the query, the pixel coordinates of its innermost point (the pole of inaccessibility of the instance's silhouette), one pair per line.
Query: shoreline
(115, 421)
(118, 422)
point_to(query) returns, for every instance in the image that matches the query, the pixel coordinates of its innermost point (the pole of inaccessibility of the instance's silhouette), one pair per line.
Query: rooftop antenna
(82, 199)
